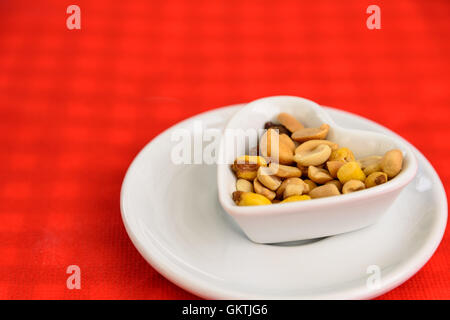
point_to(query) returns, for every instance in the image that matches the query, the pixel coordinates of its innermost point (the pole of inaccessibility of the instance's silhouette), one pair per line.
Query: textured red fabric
(77, 105)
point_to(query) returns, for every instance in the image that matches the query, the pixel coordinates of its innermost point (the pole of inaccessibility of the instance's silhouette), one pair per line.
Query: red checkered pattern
(77, 105)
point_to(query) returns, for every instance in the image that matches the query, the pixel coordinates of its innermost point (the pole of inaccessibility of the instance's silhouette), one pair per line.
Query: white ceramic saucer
(173, 216)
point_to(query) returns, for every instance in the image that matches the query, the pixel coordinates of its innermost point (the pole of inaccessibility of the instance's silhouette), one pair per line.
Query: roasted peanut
(286, 156)
(319, 175)
(283, 171)
(285, 183)
(314, 157)
(246, 167)
(309, 185)
(327, 190)
(289, 122)
(269, 138)
(268, 179)
(337, 183)
(342, 154)
(260, 189)
(375, 179)
(296, 198)
(272, 147)
(249, 199)
(312, 144)
(293, 190)
(333, 167)
(306, 134)
(350, 171)
(370, 164)
(244, 185)
(286, 140)
(392, 162)
(352, 186)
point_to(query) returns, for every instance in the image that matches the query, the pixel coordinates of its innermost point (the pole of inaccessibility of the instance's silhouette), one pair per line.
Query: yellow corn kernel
(246, 167)
(296, 198)
(249, 199)
(350, 171)
(260, 161)
(342, 154)
(243, 174)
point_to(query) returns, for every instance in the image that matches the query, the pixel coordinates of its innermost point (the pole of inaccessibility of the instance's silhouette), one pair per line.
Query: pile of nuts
(288, 152)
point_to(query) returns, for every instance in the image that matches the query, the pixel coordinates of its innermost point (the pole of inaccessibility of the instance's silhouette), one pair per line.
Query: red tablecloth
(77, 105)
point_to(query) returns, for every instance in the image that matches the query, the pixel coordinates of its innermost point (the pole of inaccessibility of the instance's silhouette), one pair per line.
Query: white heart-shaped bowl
(318, 217)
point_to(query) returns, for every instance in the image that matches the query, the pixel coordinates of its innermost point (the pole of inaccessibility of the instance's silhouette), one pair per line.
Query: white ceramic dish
(193, 242)
(319, 217)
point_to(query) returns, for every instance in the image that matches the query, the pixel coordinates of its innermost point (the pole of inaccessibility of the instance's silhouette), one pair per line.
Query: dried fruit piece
(281, 129)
